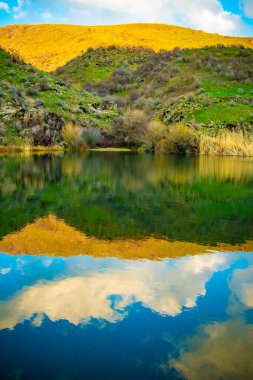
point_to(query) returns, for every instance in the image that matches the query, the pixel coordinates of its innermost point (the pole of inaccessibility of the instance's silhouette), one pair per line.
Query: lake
(120, 265)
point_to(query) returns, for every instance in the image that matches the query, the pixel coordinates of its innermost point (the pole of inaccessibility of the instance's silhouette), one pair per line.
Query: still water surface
(126, 266)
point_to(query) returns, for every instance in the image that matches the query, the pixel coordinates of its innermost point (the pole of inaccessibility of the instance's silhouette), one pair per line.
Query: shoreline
(28, 149)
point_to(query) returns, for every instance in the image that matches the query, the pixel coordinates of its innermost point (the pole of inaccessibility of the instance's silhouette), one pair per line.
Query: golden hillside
(50, 46)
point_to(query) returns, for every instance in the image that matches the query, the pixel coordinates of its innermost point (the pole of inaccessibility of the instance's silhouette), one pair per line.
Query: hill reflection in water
(125, 204)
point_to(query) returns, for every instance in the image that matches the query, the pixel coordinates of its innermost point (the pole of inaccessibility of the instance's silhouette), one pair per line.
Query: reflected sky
(169, 319)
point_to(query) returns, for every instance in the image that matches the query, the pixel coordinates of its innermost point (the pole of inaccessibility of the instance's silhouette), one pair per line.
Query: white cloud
(4, 7)
(164, 287)
(207, 15)
(47, 16)
(18, 10)
(247, 7)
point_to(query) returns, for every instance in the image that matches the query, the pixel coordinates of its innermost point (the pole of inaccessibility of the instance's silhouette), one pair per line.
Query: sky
(227, 17)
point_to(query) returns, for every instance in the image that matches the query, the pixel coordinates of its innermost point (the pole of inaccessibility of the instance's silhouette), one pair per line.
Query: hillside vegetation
(35, 107)
(48, 47)
(209, 90)
(178, 101)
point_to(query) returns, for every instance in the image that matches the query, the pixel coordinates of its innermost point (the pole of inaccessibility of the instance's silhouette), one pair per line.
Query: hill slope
(50, 46)
(210, 86)
(35, 106)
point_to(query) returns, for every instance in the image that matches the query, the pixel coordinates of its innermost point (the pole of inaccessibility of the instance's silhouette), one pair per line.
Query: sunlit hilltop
(50, 46)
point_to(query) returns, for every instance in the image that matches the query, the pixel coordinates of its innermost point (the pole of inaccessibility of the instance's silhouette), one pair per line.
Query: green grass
(219, 88)
(225, 113)
(98, 65)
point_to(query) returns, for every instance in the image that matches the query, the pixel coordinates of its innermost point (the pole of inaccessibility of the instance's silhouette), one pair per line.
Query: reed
(227, 143)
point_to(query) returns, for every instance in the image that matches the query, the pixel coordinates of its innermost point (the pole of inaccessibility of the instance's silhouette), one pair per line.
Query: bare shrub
(134, 123)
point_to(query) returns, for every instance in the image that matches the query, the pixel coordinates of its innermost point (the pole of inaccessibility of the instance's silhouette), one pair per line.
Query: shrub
(179, 139)
(32, 91)
(134, 123)
(61, 104)
(227, 143)
(154, 131)
(44, 85)
(2, 129)
(39, 103)
(92, 136)
(72, 136)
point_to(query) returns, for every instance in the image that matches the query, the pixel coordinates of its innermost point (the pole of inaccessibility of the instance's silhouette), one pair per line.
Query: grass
(29, 148)
(98, 65)
(48, 47)
(224, 112)
(219, 88)
(226, 144)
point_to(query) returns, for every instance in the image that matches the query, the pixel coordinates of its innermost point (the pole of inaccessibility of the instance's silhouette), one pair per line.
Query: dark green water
(183, 316)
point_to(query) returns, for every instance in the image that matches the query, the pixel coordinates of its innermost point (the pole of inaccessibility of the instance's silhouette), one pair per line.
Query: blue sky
(231, 17)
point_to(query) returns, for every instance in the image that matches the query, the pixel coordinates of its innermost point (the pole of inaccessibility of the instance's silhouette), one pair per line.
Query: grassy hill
(48, 47)
(211, 86)
(179, 101)
(35, 106)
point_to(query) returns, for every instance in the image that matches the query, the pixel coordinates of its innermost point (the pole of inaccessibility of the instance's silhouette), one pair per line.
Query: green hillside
(209, 87)
(35, 106)
(178, 101)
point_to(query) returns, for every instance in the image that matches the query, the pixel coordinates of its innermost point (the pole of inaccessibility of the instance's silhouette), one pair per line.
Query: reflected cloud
(241, 286)
(222, 350)
(219, 351)
(166, 287)
(4, 271)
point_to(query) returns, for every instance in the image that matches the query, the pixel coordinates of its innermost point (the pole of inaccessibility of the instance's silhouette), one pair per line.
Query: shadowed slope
(50, 46)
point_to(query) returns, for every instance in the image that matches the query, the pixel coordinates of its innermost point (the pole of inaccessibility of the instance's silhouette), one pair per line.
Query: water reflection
(200, 200)
(170, 319)
(219, 350)
(106, 294)
(159, 294)
(52, 236)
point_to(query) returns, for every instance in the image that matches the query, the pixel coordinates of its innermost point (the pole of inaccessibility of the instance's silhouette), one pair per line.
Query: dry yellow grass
(52, 236)
(50, 46)
(226, 144)
(29, 149)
